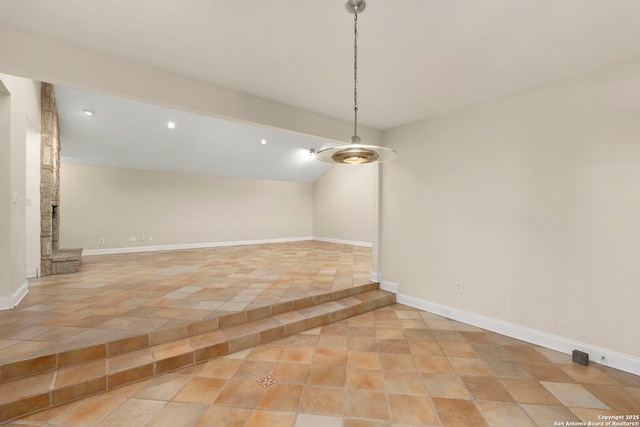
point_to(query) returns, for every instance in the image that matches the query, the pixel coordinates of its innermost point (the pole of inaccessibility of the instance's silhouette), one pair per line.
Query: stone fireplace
(53, 260)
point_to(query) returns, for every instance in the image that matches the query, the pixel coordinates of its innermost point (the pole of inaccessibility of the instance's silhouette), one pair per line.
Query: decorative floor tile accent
(268, 381)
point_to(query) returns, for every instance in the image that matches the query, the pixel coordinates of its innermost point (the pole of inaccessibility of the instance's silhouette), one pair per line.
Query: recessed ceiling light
(263, 142)
(171, 125)
(88, 112)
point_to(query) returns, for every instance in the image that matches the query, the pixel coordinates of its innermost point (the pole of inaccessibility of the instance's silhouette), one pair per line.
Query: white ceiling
(417, 58)
(130, 134)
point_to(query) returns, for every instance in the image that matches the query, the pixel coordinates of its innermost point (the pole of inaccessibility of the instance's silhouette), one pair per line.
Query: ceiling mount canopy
(355, 152)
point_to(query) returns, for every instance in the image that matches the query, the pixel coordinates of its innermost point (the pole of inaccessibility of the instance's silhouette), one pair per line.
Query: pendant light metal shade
(355, 152)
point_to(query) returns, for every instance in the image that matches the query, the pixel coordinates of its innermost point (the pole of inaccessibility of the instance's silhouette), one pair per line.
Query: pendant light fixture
(355, 152)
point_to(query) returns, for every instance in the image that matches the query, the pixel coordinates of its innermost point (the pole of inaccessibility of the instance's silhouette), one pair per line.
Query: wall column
(49, 178)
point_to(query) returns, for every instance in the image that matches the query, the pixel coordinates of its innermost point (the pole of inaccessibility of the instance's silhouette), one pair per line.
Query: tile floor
(395, 366)
(119, 296)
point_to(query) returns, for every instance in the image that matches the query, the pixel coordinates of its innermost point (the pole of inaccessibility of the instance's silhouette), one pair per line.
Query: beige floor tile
(327, 375)
(366, 404)
(164, 387)
(412, 410)
(633, 390)
(399, 382)
(282, 397)
(617, 398)
(587, 374)
(200, 390)
(504, 414)
(330, 357)
(470, 367)
(553, 355)
(548, 415)
(224, 416)
(507, 369)
(593, 415)
(134, 412)
(482, 388)
(179, 414)
(452, 349)
(254, 369)
(322, 400)
(364, 344)
(364, 379)
(428, 348)
(333, 342)
(434, 365)
(393, 346)
(523, 353)
(220, 368)
(363, 360)
(242, 393)
(529, 391)
(291, 372)
(270, 418)
(443, 385)
(354, 422)
(128, 390)
(546, 372)
(574, 395)
(310, 420)
(297, 354)
(46, 415)
(458, 413)
(397, 362)
(88, 412)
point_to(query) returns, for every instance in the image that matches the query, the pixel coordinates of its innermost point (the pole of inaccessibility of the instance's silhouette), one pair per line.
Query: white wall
(5, 197)
(343, 204)
(531, 203)
(19, 111)
(176, 209)
(32, 200)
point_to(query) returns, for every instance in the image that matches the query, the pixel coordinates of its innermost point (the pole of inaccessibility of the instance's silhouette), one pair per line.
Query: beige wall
(343, 204)
(19, 110)
(176, 209)
(531, 203)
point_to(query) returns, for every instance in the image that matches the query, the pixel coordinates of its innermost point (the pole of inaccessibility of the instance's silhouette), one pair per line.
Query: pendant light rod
(355, 75)
(355, 152)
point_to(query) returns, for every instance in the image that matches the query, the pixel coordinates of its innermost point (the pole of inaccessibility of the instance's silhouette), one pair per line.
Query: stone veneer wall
(49, 179)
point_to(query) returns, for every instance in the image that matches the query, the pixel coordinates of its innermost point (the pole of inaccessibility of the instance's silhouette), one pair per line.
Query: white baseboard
(343, 242)
(386, 285)
(10, 301)
(623, 362)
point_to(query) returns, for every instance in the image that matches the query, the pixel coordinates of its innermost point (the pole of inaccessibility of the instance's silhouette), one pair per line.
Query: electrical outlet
(132, 238)
(150, 238)
(458, 286)
(101, 240)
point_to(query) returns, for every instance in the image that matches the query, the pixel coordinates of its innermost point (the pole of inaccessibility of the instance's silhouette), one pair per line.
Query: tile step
(91, 371)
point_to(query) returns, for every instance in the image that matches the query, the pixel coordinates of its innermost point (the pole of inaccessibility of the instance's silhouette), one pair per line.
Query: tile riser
(148, 370)
(16, 370)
